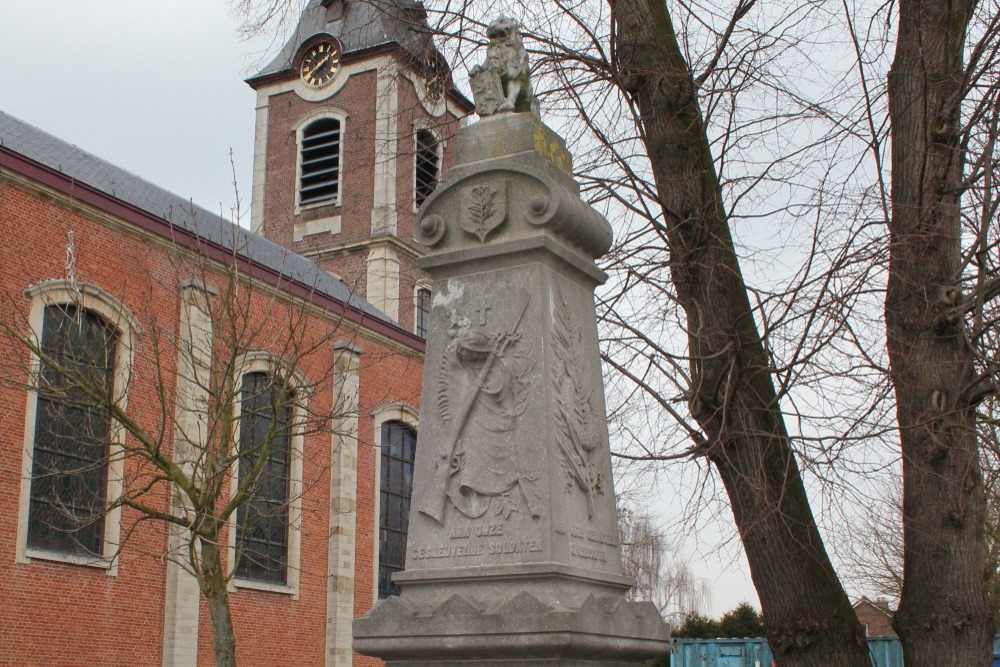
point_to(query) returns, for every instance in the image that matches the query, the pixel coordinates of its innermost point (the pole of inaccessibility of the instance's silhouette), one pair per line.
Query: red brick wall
(357, 98)
(54, 613)
(61, 614)
(876, 616)
(286, 111)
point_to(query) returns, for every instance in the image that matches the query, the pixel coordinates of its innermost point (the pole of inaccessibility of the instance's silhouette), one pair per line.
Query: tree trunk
(213, 583)
(944, 615)
(809, 619)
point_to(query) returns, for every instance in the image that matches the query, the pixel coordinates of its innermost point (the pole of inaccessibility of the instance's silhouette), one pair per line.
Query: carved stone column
(512, 553)
(343, 552)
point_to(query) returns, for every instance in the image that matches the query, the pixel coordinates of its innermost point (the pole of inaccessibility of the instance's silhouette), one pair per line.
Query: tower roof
(360, 26)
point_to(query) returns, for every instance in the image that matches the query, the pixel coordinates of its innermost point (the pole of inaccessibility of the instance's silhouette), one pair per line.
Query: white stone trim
(326, 112)
(270, 588)
(330, 224)
(259, 186)
(31, 554)
(436, 108)
(312, 94)
(93, 298)
(252, 362)
(342, 551)
(386, 149)
(194, 367)
(398, 412)
(383, 279)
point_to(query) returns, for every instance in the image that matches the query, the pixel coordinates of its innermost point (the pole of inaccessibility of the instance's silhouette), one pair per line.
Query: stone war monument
(513, 555)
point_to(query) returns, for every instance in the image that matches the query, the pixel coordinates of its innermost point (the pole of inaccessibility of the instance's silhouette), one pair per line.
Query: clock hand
(322, 62)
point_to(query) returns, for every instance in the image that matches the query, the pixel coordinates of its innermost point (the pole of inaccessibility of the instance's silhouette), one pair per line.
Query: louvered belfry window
(428, 166)
(319, 166)
(69, 472)
(262, 521)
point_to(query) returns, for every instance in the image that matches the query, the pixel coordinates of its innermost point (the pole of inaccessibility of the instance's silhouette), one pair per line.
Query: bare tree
(871, 543)
(660, 575)
(208, 449)
(805, 282)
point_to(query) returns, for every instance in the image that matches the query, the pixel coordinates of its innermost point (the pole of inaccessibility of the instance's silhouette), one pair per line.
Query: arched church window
(72, 432)
(319, 163)
(428, 165)
(399, 444)
(262, 522)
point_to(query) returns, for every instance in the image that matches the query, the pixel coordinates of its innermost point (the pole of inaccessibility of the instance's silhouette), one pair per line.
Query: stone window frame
(265, 362)
(396, 412)
(117, 315)
(419, 285)
(421, 125)
(299, 129)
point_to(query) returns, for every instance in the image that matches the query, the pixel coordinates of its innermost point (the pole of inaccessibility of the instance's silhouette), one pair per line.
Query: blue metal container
(885, 651)
(720, 653)
(754, 652)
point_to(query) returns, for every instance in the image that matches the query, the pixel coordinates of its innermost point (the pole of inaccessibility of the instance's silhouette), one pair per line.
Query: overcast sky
(157, 88)
(154, 87)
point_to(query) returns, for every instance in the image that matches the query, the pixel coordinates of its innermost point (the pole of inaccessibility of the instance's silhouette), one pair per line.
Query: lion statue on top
(503, 82)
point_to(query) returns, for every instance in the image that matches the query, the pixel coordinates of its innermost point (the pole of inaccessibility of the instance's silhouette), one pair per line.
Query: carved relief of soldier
(483, 387)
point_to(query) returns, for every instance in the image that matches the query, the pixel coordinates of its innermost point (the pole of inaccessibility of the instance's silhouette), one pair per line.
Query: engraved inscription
(587, 551)
(602, 538)
(465, 532)
(492, 548)
(587, 543)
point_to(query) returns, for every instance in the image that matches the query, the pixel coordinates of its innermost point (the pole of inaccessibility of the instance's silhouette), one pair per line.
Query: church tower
(354, 120)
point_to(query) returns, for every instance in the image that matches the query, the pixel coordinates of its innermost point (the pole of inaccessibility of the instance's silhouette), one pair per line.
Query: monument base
(522, 630)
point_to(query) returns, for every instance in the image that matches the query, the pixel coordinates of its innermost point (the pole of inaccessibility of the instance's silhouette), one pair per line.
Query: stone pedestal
(513, 554)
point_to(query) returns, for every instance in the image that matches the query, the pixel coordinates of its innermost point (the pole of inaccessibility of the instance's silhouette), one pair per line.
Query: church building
(354, 119)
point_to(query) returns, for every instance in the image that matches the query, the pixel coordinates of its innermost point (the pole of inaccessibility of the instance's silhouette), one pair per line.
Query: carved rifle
(450, 462)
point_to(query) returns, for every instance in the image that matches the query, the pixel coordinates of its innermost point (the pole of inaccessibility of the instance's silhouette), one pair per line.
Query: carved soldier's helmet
(472, 346)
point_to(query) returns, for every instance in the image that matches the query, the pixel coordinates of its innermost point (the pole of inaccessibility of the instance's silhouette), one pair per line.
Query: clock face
(319, 65)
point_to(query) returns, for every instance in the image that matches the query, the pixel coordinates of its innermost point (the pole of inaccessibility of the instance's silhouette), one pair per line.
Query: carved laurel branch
(444, 378)
(481, 209)
(574, 414)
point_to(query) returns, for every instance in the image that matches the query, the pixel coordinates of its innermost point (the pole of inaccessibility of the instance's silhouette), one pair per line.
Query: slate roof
(364, 25)
(86, 168)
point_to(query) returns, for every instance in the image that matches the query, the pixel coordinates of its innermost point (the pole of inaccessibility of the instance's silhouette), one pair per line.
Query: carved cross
(481, 306)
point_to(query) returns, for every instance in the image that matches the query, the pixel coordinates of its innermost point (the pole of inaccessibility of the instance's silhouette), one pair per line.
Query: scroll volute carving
(482, 207)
